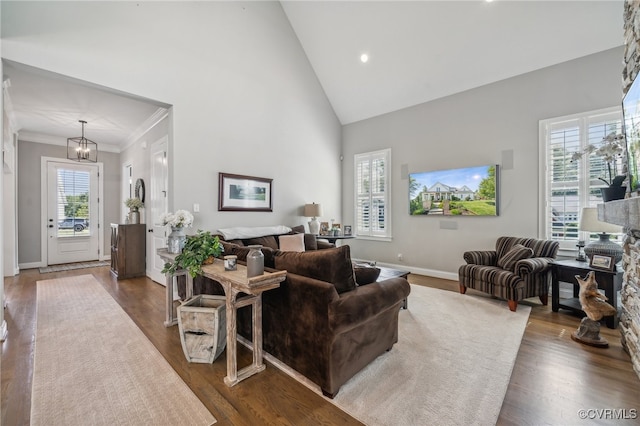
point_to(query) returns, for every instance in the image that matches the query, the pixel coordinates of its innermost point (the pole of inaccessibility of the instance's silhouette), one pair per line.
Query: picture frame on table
(324, 228)
(244, 193)
(606, 263)
(347, 231)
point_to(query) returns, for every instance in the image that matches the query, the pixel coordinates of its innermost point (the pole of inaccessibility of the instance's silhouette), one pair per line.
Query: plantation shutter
(571, 185)
(372, 176)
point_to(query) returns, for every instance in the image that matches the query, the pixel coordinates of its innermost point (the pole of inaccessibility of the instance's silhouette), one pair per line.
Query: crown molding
(159, 115)
(59, 141)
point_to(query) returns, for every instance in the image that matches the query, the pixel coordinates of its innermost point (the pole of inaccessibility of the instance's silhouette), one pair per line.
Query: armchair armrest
(533, 265)
(324, 244)
(481, 257)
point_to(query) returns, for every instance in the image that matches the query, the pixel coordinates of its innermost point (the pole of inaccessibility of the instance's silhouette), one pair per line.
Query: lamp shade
(589, 222)
(312, 210)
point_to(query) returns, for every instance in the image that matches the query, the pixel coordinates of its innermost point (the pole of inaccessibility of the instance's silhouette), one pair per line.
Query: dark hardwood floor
(553, 378)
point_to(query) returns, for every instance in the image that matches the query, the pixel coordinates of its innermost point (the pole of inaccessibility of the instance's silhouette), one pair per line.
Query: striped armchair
(517, 269)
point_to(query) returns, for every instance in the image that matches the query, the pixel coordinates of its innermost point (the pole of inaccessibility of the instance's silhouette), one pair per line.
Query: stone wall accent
(626, 213)
(631, 60)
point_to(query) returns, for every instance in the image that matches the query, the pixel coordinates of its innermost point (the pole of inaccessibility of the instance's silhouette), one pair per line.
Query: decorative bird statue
(595, 305)
(593, 302)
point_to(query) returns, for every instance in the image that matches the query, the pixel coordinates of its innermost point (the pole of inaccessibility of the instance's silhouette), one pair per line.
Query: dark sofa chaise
(319, 322)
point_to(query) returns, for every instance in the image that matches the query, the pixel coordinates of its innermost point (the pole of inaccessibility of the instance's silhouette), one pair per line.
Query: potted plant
(199, 249)
(611, 151)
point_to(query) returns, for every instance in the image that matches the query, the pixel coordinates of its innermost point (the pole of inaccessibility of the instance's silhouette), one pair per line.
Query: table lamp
(589, 222)
(313, 210)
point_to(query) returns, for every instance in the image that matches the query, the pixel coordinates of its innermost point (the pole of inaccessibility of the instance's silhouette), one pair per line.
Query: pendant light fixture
(82, 149)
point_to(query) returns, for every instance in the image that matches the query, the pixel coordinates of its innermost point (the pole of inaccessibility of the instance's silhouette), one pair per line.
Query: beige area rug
(451, 366)
(94, 366)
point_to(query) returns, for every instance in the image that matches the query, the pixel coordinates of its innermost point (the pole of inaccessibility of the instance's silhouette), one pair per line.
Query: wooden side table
(566, 270)
(234, 282)
(171, 317)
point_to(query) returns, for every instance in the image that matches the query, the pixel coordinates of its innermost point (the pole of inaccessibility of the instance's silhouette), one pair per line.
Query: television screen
(471, 191)
(631, 113)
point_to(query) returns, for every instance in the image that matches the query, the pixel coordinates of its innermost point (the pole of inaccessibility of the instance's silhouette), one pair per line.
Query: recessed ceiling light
(364, 58)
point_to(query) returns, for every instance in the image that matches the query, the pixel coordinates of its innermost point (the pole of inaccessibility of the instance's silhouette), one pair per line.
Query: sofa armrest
(322, 244)
(365, 302)
(481, 257)
(533, 265)
(309, 299)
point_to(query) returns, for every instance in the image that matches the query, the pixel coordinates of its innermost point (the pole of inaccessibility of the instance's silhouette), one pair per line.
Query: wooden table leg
(170, 320)
(232, 342)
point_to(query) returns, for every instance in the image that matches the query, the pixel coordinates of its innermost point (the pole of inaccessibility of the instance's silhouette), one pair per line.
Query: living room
(241, 90)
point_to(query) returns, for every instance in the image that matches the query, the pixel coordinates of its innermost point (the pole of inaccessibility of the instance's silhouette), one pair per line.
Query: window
(72, 202)
(372, 194)
(568, 185)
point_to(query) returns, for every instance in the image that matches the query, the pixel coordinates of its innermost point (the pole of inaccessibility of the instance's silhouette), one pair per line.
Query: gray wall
(473, 128)
(245, 98)
(30, 222)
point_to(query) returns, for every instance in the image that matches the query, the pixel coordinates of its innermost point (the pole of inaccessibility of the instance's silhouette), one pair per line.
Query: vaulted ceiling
(417, 51)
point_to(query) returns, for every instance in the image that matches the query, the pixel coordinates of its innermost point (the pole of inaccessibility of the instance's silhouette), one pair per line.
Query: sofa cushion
(510, 258)
(242, 253)
(293, 242)
(330, 265)
(266, 241)
(366, 274)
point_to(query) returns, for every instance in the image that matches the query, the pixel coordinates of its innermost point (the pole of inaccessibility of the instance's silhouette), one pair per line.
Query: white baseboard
(31, 265)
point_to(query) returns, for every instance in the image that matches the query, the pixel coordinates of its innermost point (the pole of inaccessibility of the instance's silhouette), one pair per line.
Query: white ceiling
(424, 50)
(419, 51)
(46, 107)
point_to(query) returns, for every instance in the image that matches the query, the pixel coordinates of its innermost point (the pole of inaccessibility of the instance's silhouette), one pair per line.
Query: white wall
(245, 99)
(474, 128)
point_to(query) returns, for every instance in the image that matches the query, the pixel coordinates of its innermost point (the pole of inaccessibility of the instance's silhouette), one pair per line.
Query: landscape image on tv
(471, 191)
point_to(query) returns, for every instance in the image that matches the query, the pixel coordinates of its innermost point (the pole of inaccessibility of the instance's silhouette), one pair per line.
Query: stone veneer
(626, 213)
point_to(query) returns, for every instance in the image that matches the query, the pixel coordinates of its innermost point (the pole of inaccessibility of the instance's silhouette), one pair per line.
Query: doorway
(157, 205)
(71, 194)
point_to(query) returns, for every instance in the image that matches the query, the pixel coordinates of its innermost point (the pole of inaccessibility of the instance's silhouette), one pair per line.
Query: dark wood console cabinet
(128, 250)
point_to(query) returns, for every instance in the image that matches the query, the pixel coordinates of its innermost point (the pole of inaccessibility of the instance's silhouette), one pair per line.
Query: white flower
(179, 219)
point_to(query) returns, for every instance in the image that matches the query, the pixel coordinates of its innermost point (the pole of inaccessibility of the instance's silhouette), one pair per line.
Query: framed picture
(244, 193)
(324, 228)
(347, 230)
(603, 262)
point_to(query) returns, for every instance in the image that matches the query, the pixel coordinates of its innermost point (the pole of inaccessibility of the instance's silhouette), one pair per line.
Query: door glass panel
(73, 203)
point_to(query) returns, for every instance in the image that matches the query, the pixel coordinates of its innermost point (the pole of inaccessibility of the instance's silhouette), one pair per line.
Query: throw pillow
(366, 274)
(293, 242)
(330, 265)
(509, 259)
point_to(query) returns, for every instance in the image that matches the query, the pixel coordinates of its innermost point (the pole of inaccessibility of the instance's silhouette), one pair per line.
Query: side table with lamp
(608, 280)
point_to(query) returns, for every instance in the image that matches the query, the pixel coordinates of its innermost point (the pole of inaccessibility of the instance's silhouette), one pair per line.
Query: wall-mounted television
(631, 122)
(470, 191)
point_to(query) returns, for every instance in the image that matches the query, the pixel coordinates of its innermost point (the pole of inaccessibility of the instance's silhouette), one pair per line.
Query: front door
(72, 212)
(156, 206)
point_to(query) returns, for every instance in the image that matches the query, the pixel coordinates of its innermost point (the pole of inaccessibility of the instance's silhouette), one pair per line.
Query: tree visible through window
(73, 202)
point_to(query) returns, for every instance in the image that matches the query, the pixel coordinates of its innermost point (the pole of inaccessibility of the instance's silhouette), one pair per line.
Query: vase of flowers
(134, 204)
(177, 221)
(611, 151)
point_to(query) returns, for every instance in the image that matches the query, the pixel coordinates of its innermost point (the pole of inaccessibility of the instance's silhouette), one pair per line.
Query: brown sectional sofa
(319, 321)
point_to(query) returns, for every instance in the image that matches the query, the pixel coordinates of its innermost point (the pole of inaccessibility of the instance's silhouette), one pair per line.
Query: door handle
(150, 230)
(50, 226)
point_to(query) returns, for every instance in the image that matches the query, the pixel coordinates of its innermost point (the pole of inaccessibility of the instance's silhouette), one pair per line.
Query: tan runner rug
(451, 366)
(94, 366)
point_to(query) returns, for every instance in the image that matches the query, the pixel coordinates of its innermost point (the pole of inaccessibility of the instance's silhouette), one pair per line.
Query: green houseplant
(198, 249)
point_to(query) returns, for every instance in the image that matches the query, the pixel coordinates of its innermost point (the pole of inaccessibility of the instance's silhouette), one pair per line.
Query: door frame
(152, 256)
(44, 204)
